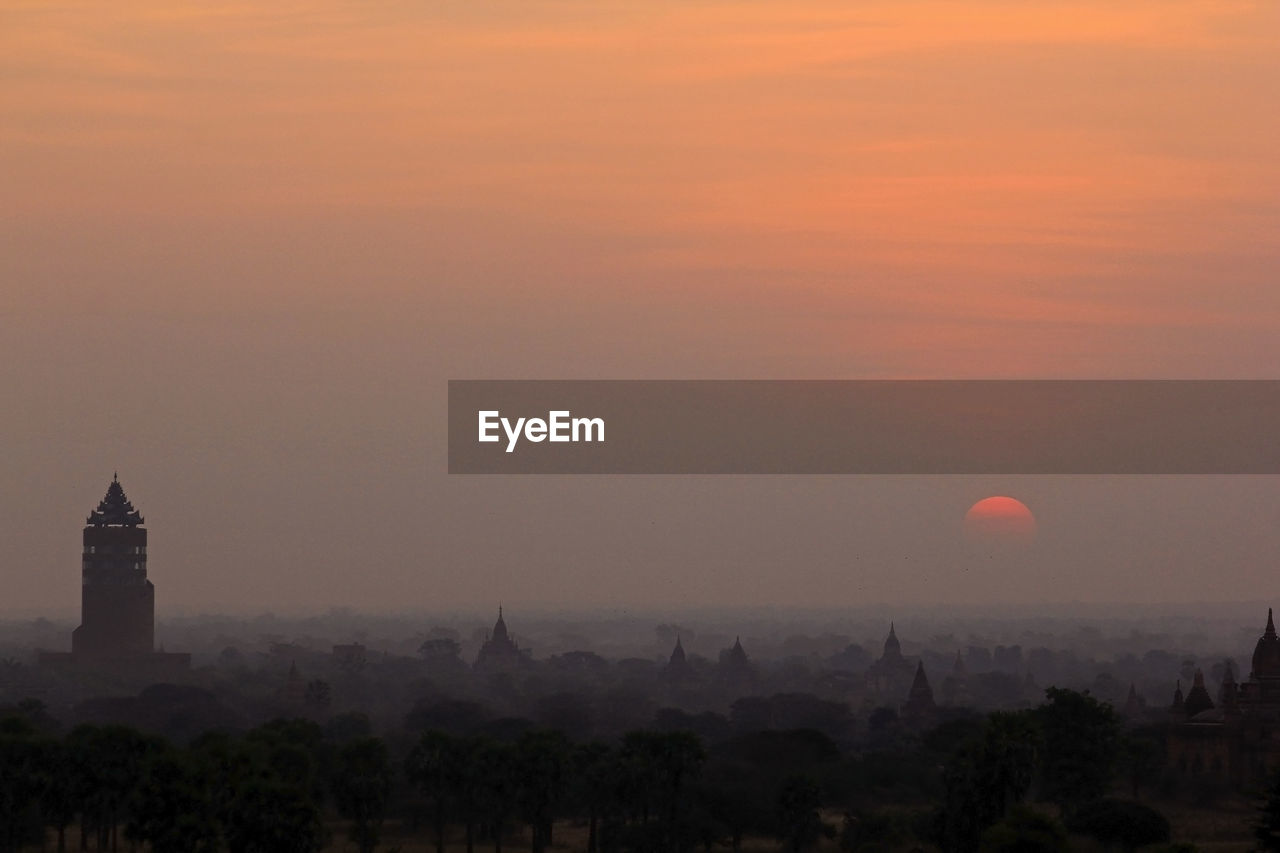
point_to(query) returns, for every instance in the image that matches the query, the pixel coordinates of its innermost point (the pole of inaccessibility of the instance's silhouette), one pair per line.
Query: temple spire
(1271, 625)
(114, 510)
(892, 648)
(677, 654)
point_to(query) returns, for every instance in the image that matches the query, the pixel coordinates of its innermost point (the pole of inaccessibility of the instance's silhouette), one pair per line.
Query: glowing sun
(1000, 520)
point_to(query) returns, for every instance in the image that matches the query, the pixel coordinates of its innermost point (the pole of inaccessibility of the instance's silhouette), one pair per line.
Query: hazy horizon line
(886, 610)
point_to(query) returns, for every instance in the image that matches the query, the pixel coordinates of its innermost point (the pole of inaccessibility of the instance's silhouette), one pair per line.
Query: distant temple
(955, 687)
(294, 691)
(500, 651)
(677, 669)
(1232, 740)
(1134, 706)
(117, 601)
(736, 668)
(919, 709)
(892, 672)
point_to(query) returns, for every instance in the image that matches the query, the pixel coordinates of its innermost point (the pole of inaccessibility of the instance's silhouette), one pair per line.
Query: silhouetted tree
(226, 764)
(361, 785)
(20, 754)
(1007, 760)
(542, 759)
(270, 817)
(174, 810)
(347, 727)
(655, 768)
(739, 801)
(799, 822)
(985, 776)
(1267, 828)
(595, 785)
(867, 831)
(497, 789)
(293, 752)
(318, 695)
(1025, 831)
(471, 780)
(1118, 822)
(111, 760)
(966, 811)
(59, 787)
(430, 768)
(453, 716)
(1080, 744)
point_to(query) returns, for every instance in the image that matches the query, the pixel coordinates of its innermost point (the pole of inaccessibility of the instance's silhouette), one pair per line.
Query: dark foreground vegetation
(1049, 779)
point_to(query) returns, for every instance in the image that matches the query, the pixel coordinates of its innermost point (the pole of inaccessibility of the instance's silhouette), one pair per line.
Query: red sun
(1000, 520)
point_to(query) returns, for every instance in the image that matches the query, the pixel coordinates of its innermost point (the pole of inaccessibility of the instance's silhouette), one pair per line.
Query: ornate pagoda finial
(114, 510)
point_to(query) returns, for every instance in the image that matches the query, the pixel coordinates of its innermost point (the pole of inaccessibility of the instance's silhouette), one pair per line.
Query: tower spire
(114, 509)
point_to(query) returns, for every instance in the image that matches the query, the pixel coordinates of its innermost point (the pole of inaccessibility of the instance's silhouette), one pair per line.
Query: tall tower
(117, 602)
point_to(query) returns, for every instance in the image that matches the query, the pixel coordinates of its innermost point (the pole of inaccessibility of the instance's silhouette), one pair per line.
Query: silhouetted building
(735, 667)
(1229, 692)
(1176, 710)
(892, 672)
(500, 651)
(294, 691)
(1135, 708)
(919, 708)
(1234, 741)
(117, 600)
(1198, 699)
(677, 669)
(955, 687)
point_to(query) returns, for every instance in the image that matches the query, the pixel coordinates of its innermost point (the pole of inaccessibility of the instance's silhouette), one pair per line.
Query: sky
(244, 246)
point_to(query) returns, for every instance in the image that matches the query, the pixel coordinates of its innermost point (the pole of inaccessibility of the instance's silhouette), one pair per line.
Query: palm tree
(800, 824)
(657, 767)
(497, 767)
(361, 788)
(542, 759)
(430, 767)
(595, 774)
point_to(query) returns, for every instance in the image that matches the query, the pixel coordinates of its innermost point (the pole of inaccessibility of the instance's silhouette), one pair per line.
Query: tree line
(288, 785)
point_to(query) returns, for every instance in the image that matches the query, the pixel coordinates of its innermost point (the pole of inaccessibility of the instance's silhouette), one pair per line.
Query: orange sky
(999, 162)
(238, 235)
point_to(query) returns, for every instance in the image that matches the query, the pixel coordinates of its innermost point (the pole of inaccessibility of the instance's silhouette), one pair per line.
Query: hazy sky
(244, 246)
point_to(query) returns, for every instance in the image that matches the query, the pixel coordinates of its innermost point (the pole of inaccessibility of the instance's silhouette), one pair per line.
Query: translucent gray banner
(864, 427)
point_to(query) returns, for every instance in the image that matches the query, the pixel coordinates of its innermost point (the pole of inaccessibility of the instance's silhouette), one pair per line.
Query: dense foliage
(687, 782)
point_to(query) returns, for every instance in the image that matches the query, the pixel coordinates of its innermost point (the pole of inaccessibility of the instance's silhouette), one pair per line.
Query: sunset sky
(245, 245)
